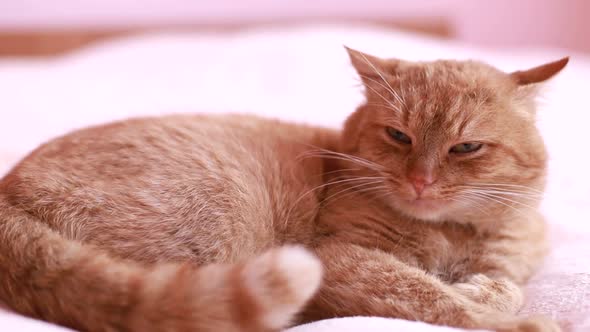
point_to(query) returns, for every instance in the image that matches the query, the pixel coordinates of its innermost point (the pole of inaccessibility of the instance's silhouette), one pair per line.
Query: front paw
(530, 324)
(499, 294)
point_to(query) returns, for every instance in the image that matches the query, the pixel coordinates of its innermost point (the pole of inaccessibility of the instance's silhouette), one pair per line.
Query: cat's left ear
(370, 68)
(538, 74)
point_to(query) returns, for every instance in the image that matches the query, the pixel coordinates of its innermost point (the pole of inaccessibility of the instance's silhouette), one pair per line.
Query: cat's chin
(432, 210)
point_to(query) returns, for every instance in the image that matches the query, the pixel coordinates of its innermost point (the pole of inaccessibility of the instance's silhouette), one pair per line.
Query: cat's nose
(420, 181)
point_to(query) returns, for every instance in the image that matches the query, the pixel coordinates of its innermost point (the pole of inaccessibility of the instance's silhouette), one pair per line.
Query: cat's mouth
(426, 203)
(429, 205)
(425, 208)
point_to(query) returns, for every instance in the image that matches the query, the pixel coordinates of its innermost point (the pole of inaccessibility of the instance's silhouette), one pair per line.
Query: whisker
(506, 185)
(375, 189)
(375, 69)
(358, 162)
(365, 190)
(471, 200)
(324, 185)
(383, 78)
(339, 182)
(515, 193)
(393, 93)
(386, 100)
(347, 156)
(501, 203)
(383, 193)
(325, 201)
(389, 89)
(495, 199)
(323, 153)
(507, 199)
(468, 198)
(385, 106)
(341, 170)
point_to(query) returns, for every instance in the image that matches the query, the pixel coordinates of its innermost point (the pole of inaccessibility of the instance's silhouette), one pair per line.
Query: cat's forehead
(449, 97)
(450, 76)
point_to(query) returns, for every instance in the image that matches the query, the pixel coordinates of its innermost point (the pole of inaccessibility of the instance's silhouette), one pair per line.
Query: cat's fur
(179, 223)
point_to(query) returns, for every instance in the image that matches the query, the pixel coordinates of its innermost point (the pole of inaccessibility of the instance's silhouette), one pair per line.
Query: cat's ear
(370, 68)
(540, 73)
(527, 82)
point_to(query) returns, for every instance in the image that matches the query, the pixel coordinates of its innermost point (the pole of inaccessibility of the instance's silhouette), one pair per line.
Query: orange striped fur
(214, 223)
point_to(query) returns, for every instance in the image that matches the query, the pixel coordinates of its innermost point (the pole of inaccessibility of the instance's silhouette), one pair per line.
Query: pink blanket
(246, 72)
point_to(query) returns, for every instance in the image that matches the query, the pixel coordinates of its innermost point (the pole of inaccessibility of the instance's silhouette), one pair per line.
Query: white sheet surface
(299, 74)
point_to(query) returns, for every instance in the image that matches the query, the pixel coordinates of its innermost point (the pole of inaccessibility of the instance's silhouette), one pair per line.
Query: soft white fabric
(299, 74)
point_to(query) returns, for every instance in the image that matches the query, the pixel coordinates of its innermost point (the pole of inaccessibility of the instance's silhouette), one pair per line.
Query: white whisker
(506, 199)
(375, 189)
(341, 170)
(324, 185)
(385, 99)
(494, 198)
(502, 191)
(358, 162)
(393, 93)
(349, 189)
(472, 201)
(323, 153)
(384, 106)
(383, 78)
(506, 185)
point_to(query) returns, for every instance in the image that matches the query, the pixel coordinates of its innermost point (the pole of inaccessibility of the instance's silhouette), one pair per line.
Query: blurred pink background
(299, 74)
(527, 23)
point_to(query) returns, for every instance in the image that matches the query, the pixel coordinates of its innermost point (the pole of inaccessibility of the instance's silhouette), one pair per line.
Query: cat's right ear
(527, 80)
(370, 68)
(540, 73)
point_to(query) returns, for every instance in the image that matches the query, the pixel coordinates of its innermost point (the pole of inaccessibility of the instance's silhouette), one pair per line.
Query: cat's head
(452, 138)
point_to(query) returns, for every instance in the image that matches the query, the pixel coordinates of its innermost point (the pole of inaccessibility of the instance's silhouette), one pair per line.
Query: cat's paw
(531, 324)
(498, 294)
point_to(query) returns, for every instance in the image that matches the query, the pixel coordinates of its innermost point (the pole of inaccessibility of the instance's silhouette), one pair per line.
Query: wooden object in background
(54, 42)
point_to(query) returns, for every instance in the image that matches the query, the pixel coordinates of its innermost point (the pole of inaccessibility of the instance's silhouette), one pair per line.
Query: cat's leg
(500, 294)
(509, 257)
(513, 250)
(370, 282)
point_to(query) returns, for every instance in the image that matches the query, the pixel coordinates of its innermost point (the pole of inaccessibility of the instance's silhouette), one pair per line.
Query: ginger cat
(423, 207)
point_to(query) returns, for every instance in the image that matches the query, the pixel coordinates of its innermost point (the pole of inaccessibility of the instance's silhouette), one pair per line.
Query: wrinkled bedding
(299, 74)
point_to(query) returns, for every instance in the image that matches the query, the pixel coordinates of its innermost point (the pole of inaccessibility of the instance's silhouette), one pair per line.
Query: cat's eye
(467, 147)
(398, 136)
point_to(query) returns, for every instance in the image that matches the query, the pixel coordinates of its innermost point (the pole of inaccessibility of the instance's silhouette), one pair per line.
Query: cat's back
(173, 146)
(192, 178)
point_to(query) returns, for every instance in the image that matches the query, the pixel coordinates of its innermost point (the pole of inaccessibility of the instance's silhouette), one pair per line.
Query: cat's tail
(46, 276)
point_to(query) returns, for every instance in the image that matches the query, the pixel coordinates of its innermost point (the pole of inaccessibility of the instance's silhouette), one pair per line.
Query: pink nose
(421, 181)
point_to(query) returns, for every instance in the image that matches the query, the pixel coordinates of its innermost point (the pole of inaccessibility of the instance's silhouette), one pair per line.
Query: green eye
(466, 147)
(398, 136)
